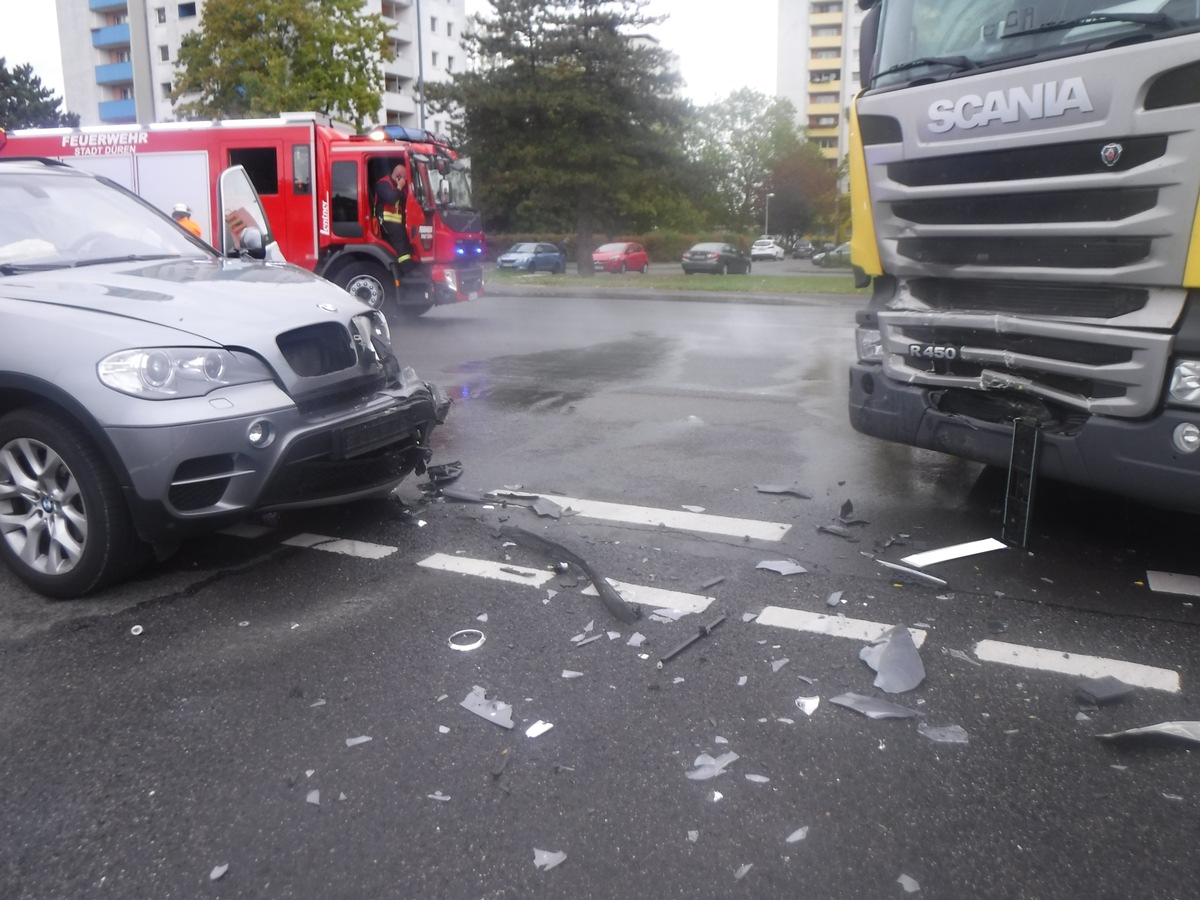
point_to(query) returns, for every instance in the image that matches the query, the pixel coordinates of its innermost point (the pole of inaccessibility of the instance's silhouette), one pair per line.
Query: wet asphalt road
(134, 765)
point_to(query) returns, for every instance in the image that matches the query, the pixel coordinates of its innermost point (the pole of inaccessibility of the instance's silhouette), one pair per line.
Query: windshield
(523, 248)
(923, 39)
(611, 248)
(51, 221)
(453, 187)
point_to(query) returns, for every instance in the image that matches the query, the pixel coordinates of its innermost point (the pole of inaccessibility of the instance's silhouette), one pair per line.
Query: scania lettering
(293, 160)
(1026, 209)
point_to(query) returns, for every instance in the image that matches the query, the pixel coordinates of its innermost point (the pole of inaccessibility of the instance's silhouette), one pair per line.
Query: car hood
(598, 257)
(229, 302)
(514, 257)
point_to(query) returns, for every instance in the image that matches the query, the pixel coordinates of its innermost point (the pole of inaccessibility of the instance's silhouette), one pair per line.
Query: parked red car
(621, 257)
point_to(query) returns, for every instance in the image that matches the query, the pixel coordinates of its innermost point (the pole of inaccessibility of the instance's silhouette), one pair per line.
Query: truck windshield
(924, 39)
(452, 189)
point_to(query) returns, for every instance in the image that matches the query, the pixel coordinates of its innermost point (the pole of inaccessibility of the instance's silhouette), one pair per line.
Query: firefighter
(391, 199)
(182, 213)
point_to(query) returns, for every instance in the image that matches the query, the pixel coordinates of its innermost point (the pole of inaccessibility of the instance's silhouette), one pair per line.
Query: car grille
(318, 349)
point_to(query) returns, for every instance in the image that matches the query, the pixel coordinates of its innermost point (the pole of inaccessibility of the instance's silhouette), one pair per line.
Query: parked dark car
(837, 258)
(802, 250)
(533, 257)
(715, 259)
(152, 388)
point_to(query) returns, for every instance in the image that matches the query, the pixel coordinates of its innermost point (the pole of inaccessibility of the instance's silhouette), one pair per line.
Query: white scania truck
(1025, 182)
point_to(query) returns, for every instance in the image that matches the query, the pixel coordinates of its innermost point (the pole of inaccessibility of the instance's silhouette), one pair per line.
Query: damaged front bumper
(1131, 457)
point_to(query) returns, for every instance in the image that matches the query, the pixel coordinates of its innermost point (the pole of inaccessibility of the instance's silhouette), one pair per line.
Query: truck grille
(1091, 301)
(1096, 370)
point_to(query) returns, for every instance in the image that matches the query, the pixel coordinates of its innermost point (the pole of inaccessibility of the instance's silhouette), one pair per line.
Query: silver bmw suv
(152, 388)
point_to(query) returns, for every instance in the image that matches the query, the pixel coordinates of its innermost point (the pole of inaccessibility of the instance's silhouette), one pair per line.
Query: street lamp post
(767, 216)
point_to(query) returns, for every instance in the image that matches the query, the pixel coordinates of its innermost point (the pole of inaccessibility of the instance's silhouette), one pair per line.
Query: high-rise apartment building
(818, 67)
(119, 56)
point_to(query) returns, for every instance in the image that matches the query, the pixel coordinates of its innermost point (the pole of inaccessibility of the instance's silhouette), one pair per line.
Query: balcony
(113, 111)
(401, 104)
(401, 67)
(825, 41)
(114, 73)
(111, 36)
(102, 6)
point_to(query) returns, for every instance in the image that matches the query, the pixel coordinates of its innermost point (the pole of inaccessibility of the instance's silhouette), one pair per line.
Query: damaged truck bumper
(1133, 458)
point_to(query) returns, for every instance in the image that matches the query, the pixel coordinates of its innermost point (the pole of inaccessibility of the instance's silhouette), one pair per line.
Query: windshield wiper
(1166, 23)
(145, 257)
(958, 63)
(18, 268)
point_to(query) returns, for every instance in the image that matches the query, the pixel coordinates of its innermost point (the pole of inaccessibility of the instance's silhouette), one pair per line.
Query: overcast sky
(721, 46)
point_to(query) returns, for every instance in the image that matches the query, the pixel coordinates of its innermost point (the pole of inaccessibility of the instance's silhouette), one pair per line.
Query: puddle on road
(557, 379)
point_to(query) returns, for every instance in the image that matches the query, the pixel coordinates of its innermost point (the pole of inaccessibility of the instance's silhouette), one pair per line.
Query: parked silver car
(152, 388)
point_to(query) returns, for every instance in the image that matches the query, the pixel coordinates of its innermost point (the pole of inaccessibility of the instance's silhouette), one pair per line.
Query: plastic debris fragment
(567, 673)
(546, 859)
(671, 615)
(320, 702)
(636, 639)
(896, 661)
(495, 711)
(614, 635)
(798, 835)
(784, 721)
(243, 624)
(749, 617)
(903, 573)
(581, 641)
(467, 639)
(758, 779)
(314, 797)
(834, 599)
(694, 509)
(712, 582)
(742, 681)
(693, 836)
(808, 705)
(355, 741)
(794, 490)
(958, 654)
(1188, 731)
(442, 729)
(720, 740)
(910, 885)
(482, 618)
(218, 871)
(1173, 583)
(945, 734)
(538, 728)
(309, 773)
(439, 797)
(840, 530)
(706, 767)
(742, 870)
(717, 796)
(1103, 690)
(777, 664)
(136, 630)
(873, 707)
(702, 631)
(782, 566)
(956, 551)
(544, 507)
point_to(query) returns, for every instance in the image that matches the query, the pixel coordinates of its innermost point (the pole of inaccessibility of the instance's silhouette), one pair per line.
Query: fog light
(1186, 438)
(1185, 382)
(260, 434)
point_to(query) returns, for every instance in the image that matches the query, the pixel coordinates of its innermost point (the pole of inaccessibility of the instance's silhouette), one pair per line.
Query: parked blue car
(531, 257)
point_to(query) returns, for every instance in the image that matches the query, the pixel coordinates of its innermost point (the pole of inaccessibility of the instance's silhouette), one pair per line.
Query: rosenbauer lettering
(1042, 101)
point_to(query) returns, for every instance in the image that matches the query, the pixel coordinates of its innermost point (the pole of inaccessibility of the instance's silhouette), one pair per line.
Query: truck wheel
(64, 526)
(368, 281)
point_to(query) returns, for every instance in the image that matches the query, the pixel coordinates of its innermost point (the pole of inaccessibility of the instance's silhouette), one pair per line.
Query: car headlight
(168, 373)
(870, 344)
(1185, 382)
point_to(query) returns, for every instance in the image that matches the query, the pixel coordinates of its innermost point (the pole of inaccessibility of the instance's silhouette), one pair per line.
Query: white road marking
(1078, 664)
(652, 598)
(833, 626)
(486, 568)
(361, 549)
(672, 518)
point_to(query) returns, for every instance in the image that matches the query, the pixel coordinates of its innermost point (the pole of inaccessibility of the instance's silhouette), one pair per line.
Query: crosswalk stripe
(361, 549)
(486, 568)
(1078, 664)
(657, 598)
(832, 626)
(671, 518)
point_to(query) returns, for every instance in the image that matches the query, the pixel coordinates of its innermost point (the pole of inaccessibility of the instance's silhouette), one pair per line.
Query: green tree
(805, 187)
(26, 103)
(739, 141)
(261, 57)
(570, 121)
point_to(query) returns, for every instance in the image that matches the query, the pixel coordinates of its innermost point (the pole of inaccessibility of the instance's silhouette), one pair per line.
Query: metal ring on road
(464, 644)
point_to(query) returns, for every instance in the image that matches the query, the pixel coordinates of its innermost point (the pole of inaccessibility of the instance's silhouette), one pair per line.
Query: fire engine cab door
(240, 209)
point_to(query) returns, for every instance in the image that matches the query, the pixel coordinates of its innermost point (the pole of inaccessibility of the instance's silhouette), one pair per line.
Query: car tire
(724, 270)
(68, 532)
(624, 268)
(645, 269)
(532, 267)
(748, 267)
(366, 280)
(559, 268)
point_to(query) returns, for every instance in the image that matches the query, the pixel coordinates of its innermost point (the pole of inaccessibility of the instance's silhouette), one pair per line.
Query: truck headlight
(167, 373)
(452, 279)
(870, 344)
(1185, 382)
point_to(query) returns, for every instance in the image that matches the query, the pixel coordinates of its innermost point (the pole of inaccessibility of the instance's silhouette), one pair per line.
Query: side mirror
(252, 244)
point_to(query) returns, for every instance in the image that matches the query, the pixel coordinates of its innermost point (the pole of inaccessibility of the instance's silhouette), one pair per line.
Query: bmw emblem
(1110, 154)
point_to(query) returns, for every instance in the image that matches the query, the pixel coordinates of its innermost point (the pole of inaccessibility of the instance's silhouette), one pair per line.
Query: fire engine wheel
(367, 281)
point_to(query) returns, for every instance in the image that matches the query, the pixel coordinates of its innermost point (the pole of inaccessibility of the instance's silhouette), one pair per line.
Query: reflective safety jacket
(390, 201)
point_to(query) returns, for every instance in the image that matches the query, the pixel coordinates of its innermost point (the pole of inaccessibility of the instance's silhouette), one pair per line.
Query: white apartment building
(818, 67)
(119, 56)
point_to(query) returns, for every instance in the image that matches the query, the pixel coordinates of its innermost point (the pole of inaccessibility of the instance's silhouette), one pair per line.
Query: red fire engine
(315, 181)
